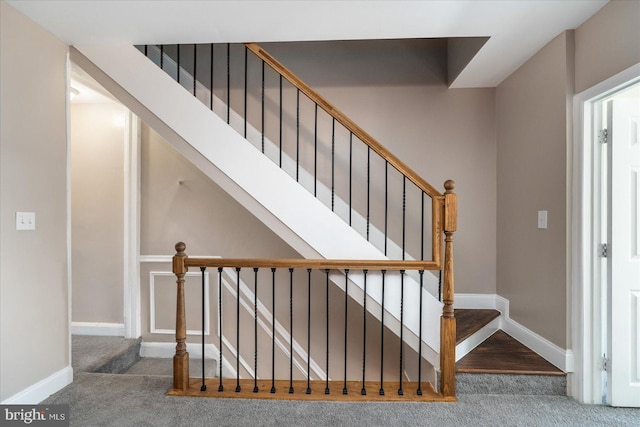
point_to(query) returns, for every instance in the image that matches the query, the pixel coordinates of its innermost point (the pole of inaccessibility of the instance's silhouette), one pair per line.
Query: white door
(623, 260)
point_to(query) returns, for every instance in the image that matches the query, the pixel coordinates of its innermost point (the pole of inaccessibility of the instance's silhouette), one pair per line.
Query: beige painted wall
(608, 43)
(97, 187)
(534, 131)
(34, 305)
(532, 128)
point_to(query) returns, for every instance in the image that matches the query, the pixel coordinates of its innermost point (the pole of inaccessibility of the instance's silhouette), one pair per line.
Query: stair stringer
(231, 161)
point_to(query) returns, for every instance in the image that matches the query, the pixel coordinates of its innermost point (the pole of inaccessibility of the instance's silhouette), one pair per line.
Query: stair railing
(411, 190)
(376, 272)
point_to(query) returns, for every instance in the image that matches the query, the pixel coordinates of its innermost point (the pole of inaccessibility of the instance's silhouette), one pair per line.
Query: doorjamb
(131, 262)
(583, 384)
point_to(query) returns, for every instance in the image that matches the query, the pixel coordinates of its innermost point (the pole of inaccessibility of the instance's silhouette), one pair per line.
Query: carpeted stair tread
(512, 384)
(111, 355)
(470, 321)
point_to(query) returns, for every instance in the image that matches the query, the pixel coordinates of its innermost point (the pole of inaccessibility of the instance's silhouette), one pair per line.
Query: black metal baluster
(308, 330)
(381, 392)
(162, 57)
(146, 50)
(333, 150)
(262, 107)
(273, 330)
(238, 329)
(297, 134)
(220, 387)
(346, 300)
(178, 64)
(326, 387)
(422, 226)
(404, 213)
(386, 202)
(400, 392)
(290, 330)
(364, 333)
(280, 157)
(255, 330)
(315, 151)
(228, 83)
(440, 286)
(246, 67)
(350, 172)
(368, 187)
(419, 391)
(195, 68)
(204, 386)
(211, 80)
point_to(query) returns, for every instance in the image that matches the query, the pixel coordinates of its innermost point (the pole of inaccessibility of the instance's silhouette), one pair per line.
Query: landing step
(502, 354)
(502, 365)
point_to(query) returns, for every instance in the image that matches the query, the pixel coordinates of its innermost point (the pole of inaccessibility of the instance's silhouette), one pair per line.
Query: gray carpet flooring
(134, 400)
(138, 398)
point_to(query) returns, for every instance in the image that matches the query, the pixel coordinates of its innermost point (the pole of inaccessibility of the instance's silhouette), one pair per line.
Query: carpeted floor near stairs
(100, 399)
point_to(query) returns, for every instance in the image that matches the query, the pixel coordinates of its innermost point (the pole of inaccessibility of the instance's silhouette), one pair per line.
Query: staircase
(232, 161)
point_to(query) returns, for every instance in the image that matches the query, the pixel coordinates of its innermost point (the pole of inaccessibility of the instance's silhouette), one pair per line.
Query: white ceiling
(517, 28)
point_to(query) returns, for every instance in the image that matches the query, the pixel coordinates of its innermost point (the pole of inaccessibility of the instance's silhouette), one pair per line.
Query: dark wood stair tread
(502, 354)
(469, 321)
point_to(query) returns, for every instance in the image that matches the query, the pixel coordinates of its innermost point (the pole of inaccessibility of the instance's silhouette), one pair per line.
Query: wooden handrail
(319, 264)
(343, 120)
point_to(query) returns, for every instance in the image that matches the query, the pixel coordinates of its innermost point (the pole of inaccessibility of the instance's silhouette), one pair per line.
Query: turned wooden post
(181, 358)
(448, 321)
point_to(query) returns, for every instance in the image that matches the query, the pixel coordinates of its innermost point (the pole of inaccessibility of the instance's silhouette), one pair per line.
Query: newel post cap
(449, 185)
(180, 248)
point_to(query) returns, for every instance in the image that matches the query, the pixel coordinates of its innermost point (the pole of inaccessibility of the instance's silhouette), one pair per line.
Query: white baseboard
(39, 391)
(475, 301)
(166, 350)
(97, 328)
(559, 357)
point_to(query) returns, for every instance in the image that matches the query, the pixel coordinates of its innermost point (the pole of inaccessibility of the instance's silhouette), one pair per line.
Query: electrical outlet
(542, 220)
(25, 221)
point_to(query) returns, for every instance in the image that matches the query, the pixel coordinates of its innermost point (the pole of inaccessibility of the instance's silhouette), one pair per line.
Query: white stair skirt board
(559, 357)
(98, 329)
(466, 346)
(306, 179)
(39, 391)
(230, 160)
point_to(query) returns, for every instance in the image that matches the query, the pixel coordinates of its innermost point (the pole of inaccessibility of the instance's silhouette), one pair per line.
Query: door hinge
(602, 250)
(603, 136)
(605, 363)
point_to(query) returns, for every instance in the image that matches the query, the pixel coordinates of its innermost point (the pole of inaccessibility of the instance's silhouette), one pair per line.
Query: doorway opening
(606, 260)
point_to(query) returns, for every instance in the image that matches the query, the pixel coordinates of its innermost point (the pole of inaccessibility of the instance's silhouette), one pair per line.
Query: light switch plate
(25, 221)
(542, 220)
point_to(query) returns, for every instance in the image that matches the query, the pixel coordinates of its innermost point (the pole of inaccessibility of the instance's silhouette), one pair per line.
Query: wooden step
(469, 321)
(502, 354)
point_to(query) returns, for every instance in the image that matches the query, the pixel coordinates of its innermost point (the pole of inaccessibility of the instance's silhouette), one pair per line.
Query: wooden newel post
(181, 358)
(448, 321)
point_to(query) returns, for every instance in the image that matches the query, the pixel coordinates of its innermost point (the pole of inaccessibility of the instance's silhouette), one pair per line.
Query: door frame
(585, 383)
